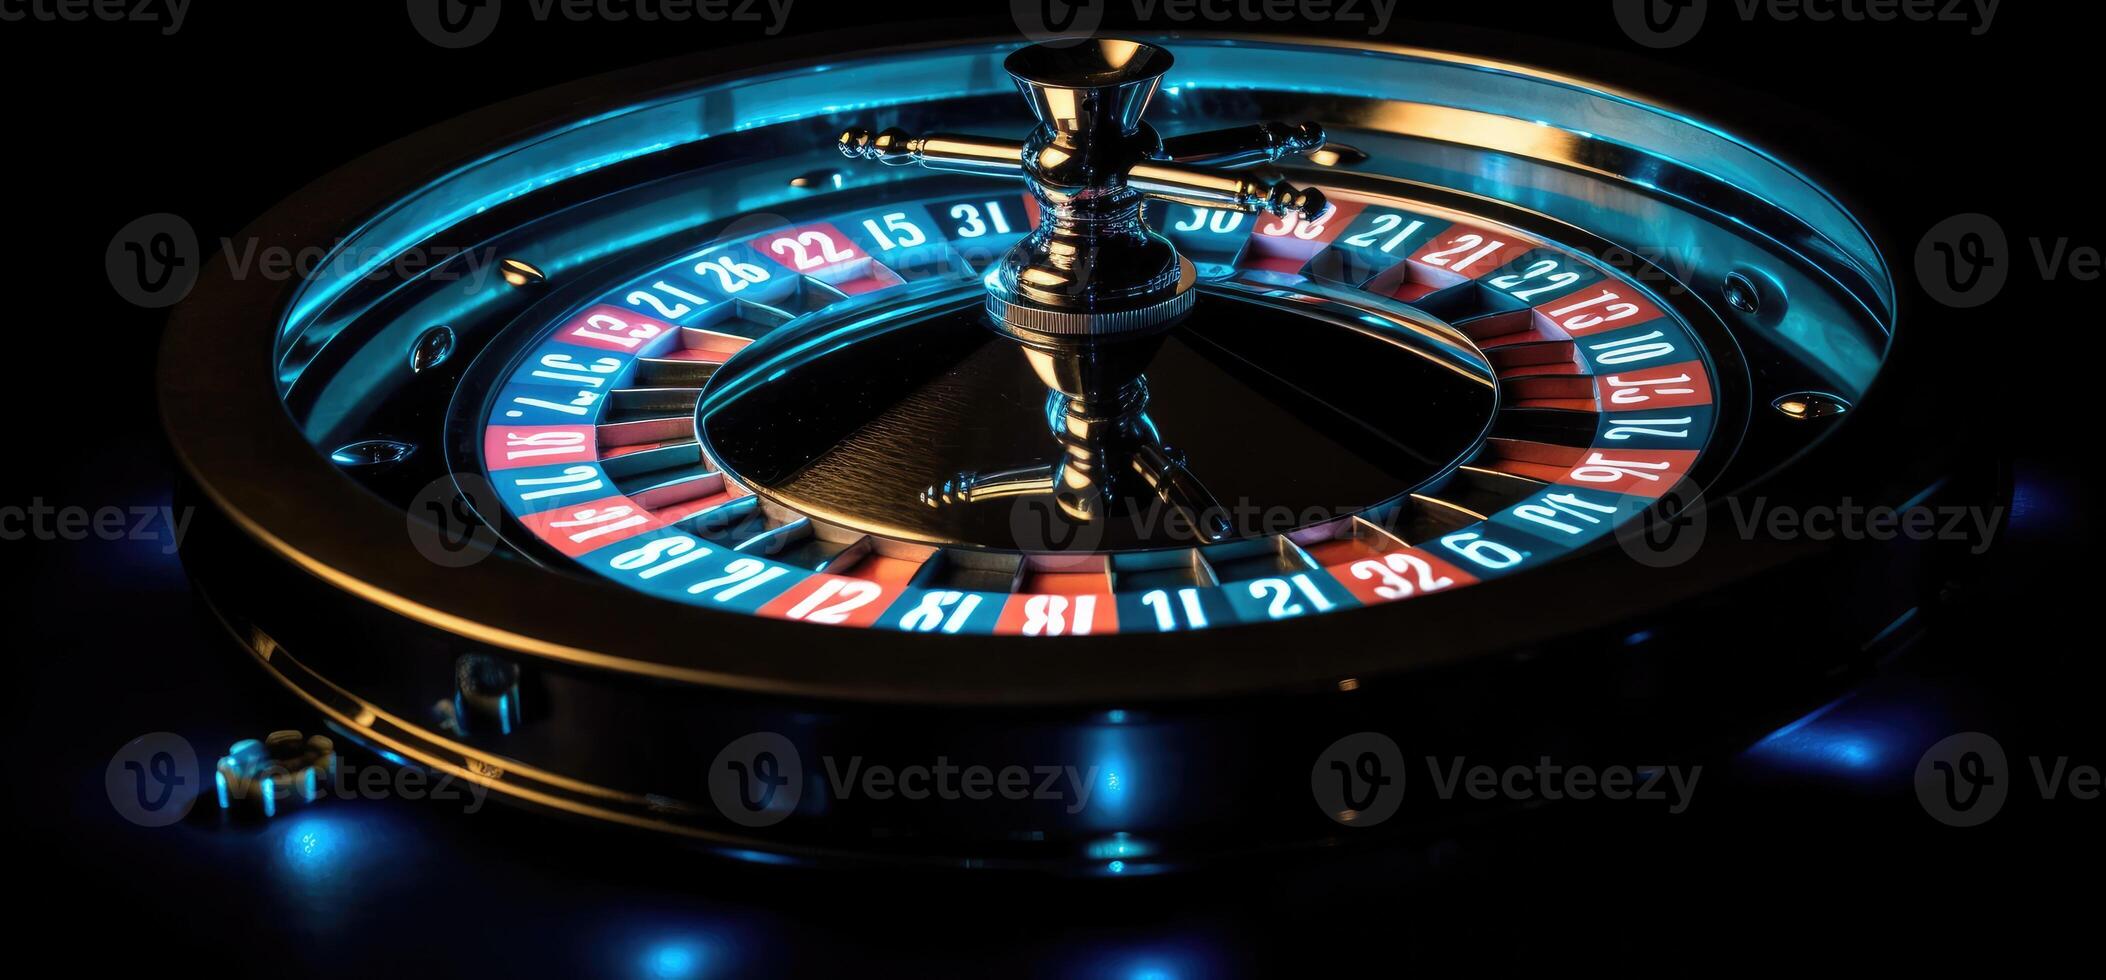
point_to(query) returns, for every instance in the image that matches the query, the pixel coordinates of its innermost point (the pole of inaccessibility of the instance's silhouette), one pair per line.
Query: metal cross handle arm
(1092, 267)
(1186, 171)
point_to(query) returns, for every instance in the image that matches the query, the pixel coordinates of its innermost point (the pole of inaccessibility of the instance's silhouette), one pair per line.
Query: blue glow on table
(315, 846)
(673, 960)
(1852, 738)
(1111, 764)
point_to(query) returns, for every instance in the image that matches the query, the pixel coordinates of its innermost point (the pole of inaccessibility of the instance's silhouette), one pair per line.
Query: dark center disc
(1249, 418)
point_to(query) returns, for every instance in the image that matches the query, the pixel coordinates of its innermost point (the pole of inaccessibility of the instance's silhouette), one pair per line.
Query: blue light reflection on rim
(611, 137)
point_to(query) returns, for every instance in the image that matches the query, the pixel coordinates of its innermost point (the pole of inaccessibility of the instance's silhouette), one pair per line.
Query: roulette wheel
(983, 454)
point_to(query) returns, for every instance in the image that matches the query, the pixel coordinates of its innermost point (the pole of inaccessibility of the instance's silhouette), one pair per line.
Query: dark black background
(248, 102)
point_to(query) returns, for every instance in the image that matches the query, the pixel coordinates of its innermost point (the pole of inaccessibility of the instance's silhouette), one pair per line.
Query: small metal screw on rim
(1742, 295)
